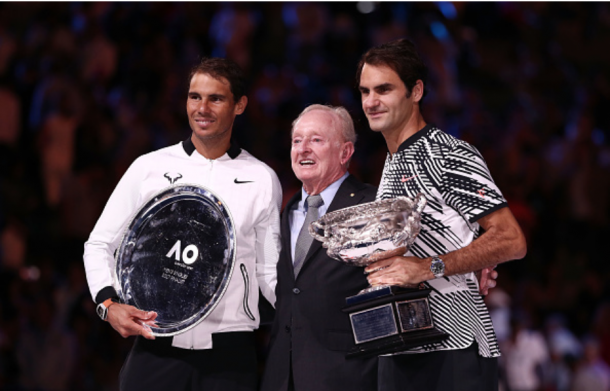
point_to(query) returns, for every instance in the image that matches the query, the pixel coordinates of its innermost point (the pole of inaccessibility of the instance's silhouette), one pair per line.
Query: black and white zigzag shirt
(453, 176)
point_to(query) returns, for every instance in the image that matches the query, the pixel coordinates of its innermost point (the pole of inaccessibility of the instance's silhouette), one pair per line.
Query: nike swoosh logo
(403, 179)
(236, 181)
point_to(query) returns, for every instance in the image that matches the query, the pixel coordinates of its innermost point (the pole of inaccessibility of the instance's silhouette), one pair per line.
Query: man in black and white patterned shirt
(466, 226)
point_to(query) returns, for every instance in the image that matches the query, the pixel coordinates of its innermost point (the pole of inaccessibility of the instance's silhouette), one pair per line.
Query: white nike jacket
(251, 191)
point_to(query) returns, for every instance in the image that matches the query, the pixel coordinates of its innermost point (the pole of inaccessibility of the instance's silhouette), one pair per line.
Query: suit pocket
(339, 340)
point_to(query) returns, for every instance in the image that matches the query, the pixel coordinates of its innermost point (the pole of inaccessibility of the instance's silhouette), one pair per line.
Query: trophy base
(397, 343)
(391, 319)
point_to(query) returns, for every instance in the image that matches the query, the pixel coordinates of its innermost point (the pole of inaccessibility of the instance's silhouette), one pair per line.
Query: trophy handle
(420, 201)
(314, 227)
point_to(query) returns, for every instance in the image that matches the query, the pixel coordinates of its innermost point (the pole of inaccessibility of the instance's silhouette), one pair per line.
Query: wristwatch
(102, 308)
(437, 267)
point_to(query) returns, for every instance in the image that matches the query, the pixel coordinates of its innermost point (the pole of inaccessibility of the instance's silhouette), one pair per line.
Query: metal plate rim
(169, 332)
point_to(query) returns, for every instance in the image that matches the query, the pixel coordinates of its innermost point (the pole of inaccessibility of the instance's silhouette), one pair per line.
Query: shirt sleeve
(108, 231)
(268, 241)
(467, 184)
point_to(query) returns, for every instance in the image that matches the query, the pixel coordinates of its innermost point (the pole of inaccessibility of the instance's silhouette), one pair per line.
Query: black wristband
(107, 293)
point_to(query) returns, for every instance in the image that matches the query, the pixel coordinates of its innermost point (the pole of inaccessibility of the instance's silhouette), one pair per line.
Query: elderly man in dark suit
(311, 334)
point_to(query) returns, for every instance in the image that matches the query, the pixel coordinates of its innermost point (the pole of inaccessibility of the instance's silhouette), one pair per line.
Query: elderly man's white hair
(341, 118)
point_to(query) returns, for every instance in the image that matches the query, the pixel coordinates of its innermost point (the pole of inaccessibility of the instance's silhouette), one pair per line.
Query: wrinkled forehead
(318, 122)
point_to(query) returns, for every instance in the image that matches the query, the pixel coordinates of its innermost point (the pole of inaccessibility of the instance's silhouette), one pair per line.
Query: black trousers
(448, 370)
(155, 365)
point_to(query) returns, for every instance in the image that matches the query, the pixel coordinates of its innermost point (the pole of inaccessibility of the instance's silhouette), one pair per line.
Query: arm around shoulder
(502, 241)
(503, 226)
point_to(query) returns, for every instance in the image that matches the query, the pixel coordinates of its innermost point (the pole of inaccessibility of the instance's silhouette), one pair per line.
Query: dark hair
(223, 67)
(400, 55)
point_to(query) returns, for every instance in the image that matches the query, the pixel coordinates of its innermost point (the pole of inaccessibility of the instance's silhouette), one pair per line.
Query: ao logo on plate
(189, 254)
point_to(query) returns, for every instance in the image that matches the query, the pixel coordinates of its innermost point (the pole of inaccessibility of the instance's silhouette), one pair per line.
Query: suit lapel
(347, 195)
(285, 230)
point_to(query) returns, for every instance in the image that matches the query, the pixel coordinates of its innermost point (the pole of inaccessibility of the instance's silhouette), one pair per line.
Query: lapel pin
(351, 195)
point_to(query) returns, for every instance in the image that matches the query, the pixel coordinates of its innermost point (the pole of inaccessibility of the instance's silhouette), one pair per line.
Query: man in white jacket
(219, 353)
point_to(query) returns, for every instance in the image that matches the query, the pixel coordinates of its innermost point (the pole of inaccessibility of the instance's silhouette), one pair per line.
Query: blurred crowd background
(85, 88)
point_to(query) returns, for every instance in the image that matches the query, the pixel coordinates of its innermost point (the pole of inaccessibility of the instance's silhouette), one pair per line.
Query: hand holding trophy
(384, 319)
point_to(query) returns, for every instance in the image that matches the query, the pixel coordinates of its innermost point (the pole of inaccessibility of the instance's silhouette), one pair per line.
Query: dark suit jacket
(310, 332)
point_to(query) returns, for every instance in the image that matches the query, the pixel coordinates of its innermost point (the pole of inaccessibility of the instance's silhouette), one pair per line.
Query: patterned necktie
(304, 240)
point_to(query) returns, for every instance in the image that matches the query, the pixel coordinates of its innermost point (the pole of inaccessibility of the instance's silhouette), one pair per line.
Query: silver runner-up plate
(176, 257)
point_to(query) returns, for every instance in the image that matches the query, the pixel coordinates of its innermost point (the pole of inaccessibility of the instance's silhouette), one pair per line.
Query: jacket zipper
(244, 274)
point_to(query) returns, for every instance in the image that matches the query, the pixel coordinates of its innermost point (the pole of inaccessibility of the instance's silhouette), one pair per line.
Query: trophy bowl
(384, 319)
(366, 233)
(176, 257)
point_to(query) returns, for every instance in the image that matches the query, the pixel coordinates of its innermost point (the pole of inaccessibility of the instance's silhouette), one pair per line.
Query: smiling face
(319, 154)
(211, 109)
(389, 107)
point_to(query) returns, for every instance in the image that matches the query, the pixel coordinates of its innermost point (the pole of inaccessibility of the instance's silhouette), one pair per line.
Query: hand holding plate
(127, 320)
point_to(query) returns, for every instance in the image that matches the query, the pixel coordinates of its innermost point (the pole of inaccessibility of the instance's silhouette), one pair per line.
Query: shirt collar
(411, 140)
(327, 194)
(233, 151)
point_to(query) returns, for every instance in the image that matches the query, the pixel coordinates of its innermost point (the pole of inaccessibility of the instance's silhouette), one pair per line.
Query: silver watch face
(102, 311)
(437, 267)
(176, 257)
